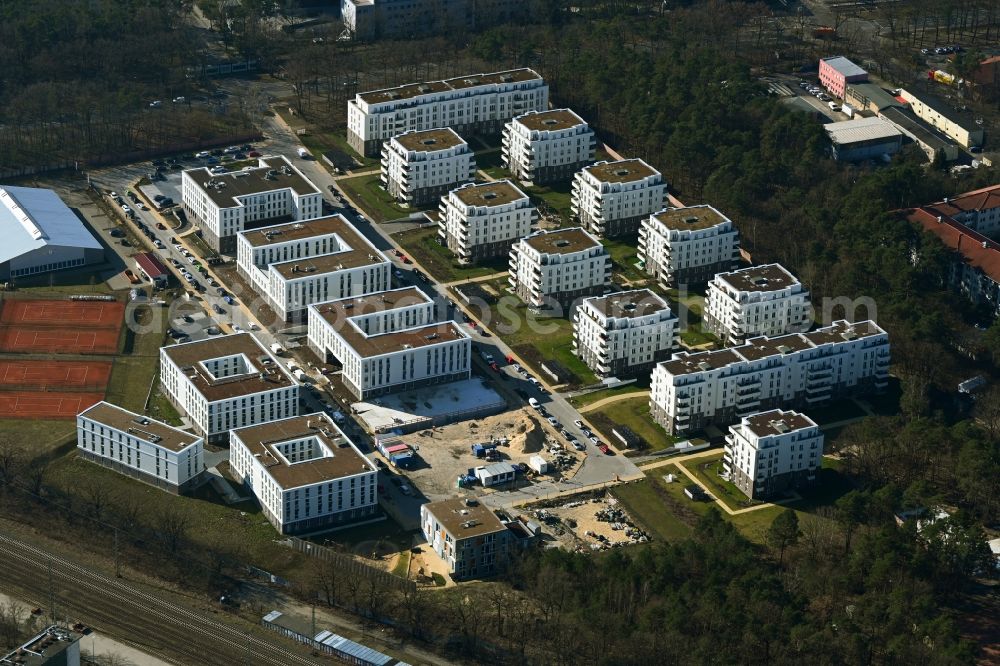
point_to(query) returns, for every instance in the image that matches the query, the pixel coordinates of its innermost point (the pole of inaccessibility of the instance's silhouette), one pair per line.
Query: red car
(605, 449)
(406, 260)
(494, 367)
(253, 153)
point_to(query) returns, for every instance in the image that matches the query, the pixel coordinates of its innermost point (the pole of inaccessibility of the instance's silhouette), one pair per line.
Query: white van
(303, 153)
(534, 403)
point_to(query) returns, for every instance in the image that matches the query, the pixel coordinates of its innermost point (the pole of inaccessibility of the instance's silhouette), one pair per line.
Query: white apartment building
(472, 104)
(558, 267)
(681, 246)
(547, 146)
(467, 535)
(754, 301)
(421, 166)
(693, 390)
(770, 452)
(482, 220)
(140, 447)
(611, 199)
(624, 334)
(226, 382)
(389, 341)
(305, 472)
(225, 204)
(296, 264)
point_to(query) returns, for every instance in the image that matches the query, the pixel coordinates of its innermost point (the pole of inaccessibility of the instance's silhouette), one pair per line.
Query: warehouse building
(803, 370)
(41, 234)
(871, 97)
(472, 104)
(771, 452)
(956, 124)
(296, 264)
(687, 246)
(389, 341)
(305, 472)
(420, 167)
(754, 301)
(558, 267)
(837, 71)
(547, 146)
(624, 334)
(863, 139)
(225, 204)
(226, 382)
(611, 199)
(483, 220)
(927, 138)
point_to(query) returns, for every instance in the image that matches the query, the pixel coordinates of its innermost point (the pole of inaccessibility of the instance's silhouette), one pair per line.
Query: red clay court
(41, 375)
(68, 327)
(50, 405)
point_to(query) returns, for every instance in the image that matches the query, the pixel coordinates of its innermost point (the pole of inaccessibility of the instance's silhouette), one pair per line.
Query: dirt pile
(529, 438)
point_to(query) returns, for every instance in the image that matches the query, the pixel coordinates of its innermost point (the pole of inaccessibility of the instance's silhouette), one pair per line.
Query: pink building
(837, 71)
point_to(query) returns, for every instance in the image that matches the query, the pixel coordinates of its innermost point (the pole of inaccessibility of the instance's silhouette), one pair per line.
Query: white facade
(467, 535)
(680, 246)
(482, 220)
(558, 267)
(297, 264)
(772, 451)
(419, 166)
(228, 203)
(979, 210)
(693, 390)
(958, 125)
(612, 198)
(625, 333)
(140, 447)
(754, 301)
(305, 473)
(546, 146)
(227, 382)
(472, 103)
(389, 341)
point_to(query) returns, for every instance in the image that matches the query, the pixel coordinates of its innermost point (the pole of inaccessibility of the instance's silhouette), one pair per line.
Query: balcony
(817, 390)
(820, 373)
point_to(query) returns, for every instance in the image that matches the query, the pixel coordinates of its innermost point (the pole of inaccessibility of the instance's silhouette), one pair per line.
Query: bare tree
(173, 527)
(11, 459)
(13, 617)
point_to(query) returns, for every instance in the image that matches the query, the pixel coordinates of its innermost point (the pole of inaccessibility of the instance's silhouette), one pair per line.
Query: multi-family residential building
(770, 452)
(801, 370)
(546, 146)
(56, 645)
(624, 334)
(140, 447)
(225, 204)
(837, 71)
(226, 382)
(467, 535)
(472, 104)
(612, 199)
(305, 472)
(978, 210)
(959, 125)
(558, 267)
(421, 166)
(374, 19)
(685, 246)
(296, 264)
(482, 220)
(389, 341)
(754, 301)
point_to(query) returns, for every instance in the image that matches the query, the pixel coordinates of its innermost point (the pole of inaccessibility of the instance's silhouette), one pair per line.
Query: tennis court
(49, 405)
(68, 327)
(49, 375)
(92, 314)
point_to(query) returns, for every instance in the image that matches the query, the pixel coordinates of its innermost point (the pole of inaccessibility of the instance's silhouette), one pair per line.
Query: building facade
(978, 210)
(375, 19)
(801, 370)
(140, 447)
(296, 264)
(306, 473)
(685, 246)
(226, 382)
(389, 341)
(557, 267)
(611, 199)
(225, 204)
(472, 104)
(420, 167)
(771, 452)
(837, 71)
(759, 300)
(482, 220)
(624, 334)
(547, 146)
(958, 125)
(863, 139)
(467, 535)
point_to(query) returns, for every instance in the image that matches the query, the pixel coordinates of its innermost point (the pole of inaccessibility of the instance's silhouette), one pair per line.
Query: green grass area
(623, 258)
(644, 501)
(318, 140)
(63, 283)
(162, 409)
(366, 192)
(438, 260)
(200, 246)
(632, 413)
(707, 472)
(133, 372)
(38, 437)
(840, 410)
(591, 398)
(496, 172)
(695, 336)
(402, 566)
(554, 199)
(489, 159)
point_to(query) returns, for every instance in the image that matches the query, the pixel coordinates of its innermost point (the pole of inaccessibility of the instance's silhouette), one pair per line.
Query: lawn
(367, 193)
(632, 413)
(64, 283)
(840, 410)
(496, 172)
(591, 398)
(39, 437)
(489, 159)
(556, 198)
(200, 246)
(644, 501)
(134, 371)
(319, 141)
(706, 470)
(438, 260)
(623, 258)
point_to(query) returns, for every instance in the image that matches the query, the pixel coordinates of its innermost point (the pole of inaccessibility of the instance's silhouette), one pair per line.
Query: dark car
(218, 309)
(116, 233)
(218, 152)
(229, 300)
(159, 197)
(240, 156)
(159, 163)
(245, 147)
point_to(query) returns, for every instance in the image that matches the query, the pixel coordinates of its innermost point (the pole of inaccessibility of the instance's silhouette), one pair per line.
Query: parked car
(605, 449)
(229, 300)
(218, 309)
(579, 446)
(130, 276)
(155, 104)
(578, 423)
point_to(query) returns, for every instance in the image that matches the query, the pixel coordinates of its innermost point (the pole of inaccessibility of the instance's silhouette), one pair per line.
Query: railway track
(168, 630)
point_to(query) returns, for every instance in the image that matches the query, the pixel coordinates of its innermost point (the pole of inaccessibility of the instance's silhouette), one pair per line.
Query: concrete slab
(430, 406)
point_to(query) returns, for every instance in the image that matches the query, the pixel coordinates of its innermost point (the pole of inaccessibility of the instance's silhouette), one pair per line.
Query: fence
(352, 566)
